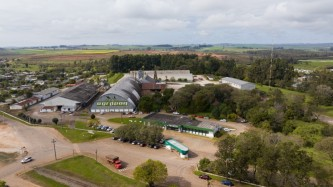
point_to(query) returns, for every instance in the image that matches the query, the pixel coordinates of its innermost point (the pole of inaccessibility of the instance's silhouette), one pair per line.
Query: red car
(205, 177)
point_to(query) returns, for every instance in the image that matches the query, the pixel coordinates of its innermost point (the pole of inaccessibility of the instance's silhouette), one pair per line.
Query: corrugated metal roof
(81, 93)
(128, 88)
(235, 81)
(46, 91)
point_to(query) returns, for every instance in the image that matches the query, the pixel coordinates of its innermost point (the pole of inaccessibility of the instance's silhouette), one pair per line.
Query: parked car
(156, 146)
(227, 183)
(134, 142)
(26, 160)
(223, 120)
(205, 177)
(176, 113)
(142, 144)
(115, 138)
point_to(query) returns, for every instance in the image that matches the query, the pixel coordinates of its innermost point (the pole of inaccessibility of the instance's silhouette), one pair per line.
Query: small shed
(172, 144)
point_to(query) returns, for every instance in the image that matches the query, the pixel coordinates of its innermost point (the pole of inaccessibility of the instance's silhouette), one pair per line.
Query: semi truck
(112, 159)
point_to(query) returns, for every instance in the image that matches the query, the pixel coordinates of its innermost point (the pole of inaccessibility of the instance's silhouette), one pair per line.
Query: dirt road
(37, 141)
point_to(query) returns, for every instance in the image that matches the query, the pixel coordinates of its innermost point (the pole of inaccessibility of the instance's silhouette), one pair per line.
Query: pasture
(314, 64)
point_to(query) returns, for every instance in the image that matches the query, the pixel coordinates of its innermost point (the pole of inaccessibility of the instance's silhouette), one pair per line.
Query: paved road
(39, 146)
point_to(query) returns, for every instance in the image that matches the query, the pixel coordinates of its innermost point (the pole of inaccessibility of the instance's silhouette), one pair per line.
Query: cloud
(48, 22)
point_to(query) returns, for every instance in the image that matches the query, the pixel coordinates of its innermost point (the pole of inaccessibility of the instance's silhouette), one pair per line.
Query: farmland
(313, 64)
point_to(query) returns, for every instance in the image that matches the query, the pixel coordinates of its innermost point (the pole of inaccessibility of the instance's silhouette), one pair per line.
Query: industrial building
(169, 75)
(122, 97)
(24, 103)
(72, 99)
(47, 93)
(183, 124)
(237, 83)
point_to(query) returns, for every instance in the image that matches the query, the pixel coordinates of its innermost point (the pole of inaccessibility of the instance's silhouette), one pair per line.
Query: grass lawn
(286, 92)
(81, 125)
(41, 180)
(115, 78)
(78, 136)
(218, 178)
(126, 120)
(326, 110)
(320, 159)
(90, 170)
(313, 64)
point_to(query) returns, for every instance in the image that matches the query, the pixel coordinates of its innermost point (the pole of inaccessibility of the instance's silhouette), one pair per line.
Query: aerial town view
(137, 93)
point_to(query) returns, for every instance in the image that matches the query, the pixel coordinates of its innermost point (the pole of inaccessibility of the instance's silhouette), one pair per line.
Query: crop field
(314, 64)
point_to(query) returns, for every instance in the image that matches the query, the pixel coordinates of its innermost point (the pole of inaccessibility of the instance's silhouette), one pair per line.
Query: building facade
(122, 97)
(237, 83)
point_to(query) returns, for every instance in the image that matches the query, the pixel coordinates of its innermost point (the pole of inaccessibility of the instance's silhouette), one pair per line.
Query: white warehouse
(170, 75)
(237, 83)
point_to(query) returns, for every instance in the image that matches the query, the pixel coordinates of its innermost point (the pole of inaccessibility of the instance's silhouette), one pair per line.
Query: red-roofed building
(24, 103)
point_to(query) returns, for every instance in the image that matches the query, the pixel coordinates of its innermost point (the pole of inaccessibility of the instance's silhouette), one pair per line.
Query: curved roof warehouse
(122, 97)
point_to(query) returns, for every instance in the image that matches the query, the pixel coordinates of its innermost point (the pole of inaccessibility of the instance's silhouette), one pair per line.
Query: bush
(204, 165)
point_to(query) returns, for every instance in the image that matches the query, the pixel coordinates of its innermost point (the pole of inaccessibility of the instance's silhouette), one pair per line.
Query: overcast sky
(55, 22)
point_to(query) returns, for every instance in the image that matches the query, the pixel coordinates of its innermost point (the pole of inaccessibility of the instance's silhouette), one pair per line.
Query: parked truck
(112, 159)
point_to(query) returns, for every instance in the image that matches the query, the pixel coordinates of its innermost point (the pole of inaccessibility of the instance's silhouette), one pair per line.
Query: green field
(286, 92)
(78, 136)
(326, 110)
(126, 120)
(114, 78)
(90, 170)
(314, 64)
(41, 180)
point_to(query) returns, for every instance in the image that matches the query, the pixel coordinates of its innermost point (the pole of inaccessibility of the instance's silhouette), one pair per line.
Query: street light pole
(55, 152)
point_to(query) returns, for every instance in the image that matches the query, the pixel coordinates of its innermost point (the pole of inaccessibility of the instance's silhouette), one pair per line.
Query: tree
(55, 120)
(145, 104)
(326, 145)
(294, 165)
(2, 183)
(204, 164)
(151, 172)
(93, 121)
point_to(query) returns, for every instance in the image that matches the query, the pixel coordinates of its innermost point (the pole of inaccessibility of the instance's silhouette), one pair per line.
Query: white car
(176, 113)
(223, 120)
(226, 129)
(26, 160)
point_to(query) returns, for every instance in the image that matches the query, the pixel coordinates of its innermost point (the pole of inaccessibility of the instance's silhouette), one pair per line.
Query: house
(237, 83)
(24, 103)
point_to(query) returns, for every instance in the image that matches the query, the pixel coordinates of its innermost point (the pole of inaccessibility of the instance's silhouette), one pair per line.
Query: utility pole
(55, 152)
(96, 155)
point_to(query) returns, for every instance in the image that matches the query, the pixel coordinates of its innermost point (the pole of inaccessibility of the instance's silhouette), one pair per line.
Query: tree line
(262, 158)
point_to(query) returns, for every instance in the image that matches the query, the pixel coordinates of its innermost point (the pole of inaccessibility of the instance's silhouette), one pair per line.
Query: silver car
(26, 160)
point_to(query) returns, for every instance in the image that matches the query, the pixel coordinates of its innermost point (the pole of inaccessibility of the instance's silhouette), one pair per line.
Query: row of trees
(144, 133)
(260, 157)
(29, 118)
